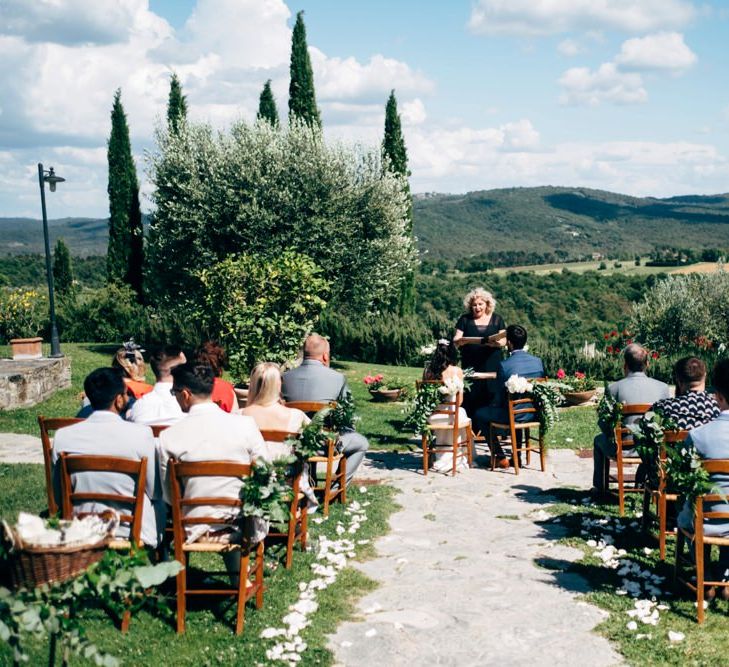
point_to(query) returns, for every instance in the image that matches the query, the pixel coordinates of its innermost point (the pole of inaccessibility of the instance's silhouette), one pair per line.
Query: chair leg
(699, 551)
(290, 539)
(542, 453)
(343, 480)
(327, 487)
(662, 526)
(259, 574)
(621, 489)
(125, 620)
(426, 444)
(492, 448)
(528, 447)
(514, 451)
(240, 610)
(181, 600)
(304, 525)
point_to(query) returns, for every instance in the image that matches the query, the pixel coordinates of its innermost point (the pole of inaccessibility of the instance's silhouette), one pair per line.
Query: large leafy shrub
(23, 313)
(262, 307)
(684, 313)
(259, 190)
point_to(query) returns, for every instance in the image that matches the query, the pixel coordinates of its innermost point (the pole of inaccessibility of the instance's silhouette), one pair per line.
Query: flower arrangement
(451, 385)
(375, 383)
(546, 395)
(516, 384)
(578, 382)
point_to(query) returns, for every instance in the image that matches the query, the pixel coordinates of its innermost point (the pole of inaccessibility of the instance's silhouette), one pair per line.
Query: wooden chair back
(451, 408)
(298, 512)
(47, 426)
(310, 407)
(623, 435)
(72, 464)
(624, 441)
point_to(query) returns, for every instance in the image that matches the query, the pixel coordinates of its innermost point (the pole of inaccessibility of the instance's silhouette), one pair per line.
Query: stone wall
(28, 382)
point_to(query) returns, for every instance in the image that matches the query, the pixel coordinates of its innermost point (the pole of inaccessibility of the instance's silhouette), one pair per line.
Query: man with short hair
(520, 363)
(635, 388)
(711, 441)
(313, 380)
(209, 434)
(159, 406)
(105, 433)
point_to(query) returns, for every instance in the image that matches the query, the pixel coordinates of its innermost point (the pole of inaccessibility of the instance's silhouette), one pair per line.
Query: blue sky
(624, 95)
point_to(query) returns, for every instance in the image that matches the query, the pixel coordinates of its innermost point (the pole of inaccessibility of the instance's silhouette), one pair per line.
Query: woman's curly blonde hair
(479, 293)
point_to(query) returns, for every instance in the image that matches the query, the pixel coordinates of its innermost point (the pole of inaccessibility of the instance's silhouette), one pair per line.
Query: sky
(624, 95)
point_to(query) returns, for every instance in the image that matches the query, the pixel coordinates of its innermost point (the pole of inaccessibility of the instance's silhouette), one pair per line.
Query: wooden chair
(335, 462)
(242, 592)
(702, 541)
(623, 443)
(458, 443)
(660, 495)
(48, 424)
(158, 428)
(298, 511)
(137, 469)
(520, 430)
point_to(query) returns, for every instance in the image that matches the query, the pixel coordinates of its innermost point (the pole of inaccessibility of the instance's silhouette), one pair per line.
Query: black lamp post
(50, 178)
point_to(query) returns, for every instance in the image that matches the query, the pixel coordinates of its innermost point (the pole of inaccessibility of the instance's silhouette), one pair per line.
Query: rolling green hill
(571, 223)
(568, 223)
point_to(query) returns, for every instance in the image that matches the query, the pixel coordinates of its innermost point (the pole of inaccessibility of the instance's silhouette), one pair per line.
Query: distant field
(627, 268)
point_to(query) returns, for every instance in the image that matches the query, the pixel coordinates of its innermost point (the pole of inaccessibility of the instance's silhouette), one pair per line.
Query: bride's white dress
(443, 461)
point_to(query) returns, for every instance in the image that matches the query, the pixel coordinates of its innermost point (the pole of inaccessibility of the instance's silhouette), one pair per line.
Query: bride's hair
(444, 355)
(265, 385)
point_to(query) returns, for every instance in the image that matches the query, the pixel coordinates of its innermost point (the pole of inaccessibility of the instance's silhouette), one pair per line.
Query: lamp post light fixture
(50, 178)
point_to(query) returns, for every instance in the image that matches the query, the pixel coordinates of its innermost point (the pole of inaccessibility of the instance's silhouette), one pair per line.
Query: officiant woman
(479, 321)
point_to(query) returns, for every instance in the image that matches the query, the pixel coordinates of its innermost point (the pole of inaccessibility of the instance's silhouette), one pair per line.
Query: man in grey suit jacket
(635, 388)
(313, 380)
(711, 441)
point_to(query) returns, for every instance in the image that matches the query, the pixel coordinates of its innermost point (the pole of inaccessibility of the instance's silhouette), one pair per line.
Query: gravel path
(458, 583)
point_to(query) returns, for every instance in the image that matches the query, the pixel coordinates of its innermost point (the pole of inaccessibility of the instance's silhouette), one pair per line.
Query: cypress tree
(302, 99)
(176, 105)
(124, 256)
(394, 150)
(62, 269)
(267, 105)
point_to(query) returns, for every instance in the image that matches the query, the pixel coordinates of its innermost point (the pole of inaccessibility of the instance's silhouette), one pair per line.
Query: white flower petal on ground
(363, 489)
(676, 636)
(346, 644)
(632, 625)
(371, 632)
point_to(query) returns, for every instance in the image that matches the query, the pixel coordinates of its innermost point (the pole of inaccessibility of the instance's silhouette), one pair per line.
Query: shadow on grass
(410, 461)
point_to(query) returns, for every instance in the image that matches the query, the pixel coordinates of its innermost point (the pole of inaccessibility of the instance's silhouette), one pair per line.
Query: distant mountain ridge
(572, 222)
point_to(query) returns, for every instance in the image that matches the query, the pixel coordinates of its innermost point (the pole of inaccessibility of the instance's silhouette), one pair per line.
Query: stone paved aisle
(458, 585)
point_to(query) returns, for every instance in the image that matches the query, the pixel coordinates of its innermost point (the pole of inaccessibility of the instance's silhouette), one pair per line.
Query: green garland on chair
(418, 411)
(265, 494)
(548, 397)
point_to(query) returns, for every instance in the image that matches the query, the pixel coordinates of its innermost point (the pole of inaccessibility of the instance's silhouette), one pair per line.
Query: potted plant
(385, 391)
(21, 319)
(579, 387)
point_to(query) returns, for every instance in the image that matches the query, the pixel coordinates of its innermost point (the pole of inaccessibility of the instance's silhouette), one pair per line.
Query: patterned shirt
(689, 410)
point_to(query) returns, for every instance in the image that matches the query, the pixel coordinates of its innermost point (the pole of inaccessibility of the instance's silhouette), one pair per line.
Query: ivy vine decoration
(119, 581)
(313, 438)
(686, 475)
(342, 417)
(265, 493)
(548, 398)
(419, 410)
(609, 413)
(648, 438)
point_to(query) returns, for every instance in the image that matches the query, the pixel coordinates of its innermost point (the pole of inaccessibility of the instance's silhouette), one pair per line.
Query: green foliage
(111, 313)
(260, 190)
(342, 417)
(265, 493)
(648, 438)
(393, 145)
(684, 313)
(302, 99)
(548, 397)
(176, 105)
(262, 307)
(313, 437)
(62, 270)
(609, 412)
(419, 410)
(126, 236)
(267, 105)
(120, 582)
(30, 271)
(22, 313)
(683, 468)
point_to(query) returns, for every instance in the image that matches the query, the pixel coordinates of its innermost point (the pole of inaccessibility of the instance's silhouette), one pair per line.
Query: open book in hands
(495, 340)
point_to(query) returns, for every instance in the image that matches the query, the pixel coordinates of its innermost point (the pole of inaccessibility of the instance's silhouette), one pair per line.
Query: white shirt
(158, 406)
(210, 434)
(105, 433)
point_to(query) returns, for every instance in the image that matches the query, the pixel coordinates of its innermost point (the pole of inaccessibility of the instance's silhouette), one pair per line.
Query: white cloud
(544, 17)
(569, 48)
(582, 86)
(662, 51)
(413, 113)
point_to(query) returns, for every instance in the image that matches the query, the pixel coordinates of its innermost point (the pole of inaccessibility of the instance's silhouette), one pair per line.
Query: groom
(521, 363)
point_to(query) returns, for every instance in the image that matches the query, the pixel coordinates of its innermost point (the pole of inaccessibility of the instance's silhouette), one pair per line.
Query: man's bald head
(636, 358)
(316, 347)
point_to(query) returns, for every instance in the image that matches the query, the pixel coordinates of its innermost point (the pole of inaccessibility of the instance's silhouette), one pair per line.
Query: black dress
(481, 358)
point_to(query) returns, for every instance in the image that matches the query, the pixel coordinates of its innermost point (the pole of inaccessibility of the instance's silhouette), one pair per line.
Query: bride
(442, 366)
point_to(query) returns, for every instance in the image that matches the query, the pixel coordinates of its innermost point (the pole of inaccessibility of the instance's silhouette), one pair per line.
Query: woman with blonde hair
(266, 408)
(479, 321)
(129, 359)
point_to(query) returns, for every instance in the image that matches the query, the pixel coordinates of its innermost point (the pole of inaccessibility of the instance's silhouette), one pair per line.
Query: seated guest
(635, 388)
(692, 406)
(270, 414)
(209, 434)
(129, 358)
(520, 363)
(711, 441)
(159, 406)
(313, 380)
(105, 433)
(213, 355)
(442, 366)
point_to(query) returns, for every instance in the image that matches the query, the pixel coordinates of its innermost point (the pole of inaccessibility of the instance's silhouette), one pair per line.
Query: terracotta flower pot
(578, 397)
(385, 395)
(27, 348)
